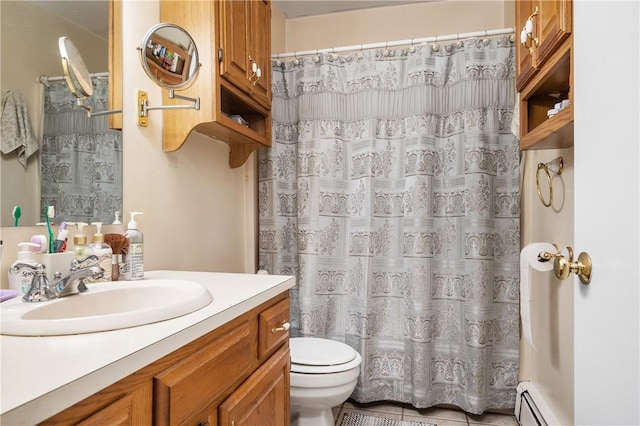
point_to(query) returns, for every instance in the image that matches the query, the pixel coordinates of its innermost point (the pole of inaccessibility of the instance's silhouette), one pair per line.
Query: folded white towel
(16, 130)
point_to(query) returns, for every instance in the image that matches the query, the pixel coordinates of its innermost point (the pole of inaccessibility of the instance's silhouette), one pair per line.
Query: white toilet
(323, 374)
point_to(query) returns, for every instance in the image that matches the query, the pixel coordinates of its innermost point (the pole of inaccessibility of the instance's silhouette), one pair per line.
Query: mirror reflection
(77, 76)
(75, 70)
(169, 56)
(78, 183)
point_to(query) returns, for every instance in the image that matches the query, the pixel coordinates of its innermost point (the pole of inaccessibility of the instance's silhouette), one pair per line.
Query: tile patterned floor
(439, 416)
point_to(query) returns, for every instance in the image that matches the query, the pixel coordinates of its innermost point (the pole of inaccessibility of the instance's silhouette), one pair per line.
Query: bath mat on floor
(357, 419)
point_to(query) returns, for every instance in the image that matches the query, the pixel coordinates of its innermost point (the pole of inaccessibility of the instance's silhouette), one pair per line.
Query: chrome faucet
(74, 282)
(41, 290)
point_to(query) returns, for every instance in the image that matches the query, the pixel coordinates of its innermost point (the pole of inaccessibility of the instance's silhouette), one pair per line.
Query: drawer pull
(284, 326)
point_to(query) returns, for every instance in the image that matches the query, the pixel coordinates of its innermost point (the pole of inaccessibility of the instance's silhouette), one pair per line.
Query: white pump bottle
(134, 260)
(20, 277)
(103, 251)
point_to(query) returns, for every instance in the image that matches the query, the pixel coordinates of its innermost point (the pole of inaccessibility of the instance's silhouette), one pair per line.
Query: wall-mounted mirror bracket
(77, 77)
(82, 102)
(144, 108)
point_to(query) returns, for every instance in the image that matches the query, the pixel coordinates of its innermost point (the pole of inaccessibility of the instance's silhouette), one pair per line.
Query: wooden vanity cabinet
(223, 378)
(230, 35)
(544, 74)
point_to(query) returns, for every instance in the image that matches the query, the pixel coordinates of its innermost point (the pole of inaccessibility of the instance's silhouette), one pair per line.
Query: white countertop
(41, 376)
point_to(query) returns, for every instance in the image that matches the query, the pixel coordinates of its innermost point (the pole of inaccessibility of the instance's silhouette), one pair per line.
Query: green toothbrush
(16, 215)
(51, 212)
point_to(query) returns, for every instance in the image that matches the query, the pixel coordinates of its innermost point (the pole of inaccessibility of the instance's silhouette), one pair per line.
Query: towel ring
(549, 167)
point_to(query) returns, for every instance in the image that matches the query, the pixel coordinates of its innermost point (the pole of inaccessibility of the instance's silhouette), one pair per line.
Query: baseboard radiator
(531, 410)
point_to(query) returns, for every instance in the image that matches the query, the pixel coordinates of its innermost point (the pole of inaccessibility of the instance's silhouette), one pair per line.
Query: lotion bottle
(134, 260)
(103, 251)
(80, 247)
(20, 277)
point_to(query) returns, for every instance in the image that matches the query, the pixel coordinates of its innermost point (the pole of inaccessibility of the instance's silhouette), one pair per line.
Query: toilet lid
(320, 352)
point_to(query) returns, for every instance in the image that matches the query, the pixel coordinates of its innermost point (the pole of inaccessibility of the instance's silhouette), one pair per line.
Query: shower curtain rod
(44, 79)
(386, 44)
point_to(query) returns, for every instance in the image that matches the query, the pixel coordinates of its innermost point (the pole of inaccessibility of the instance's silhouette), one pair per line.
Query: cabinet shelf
(551, 84)
(555, 132)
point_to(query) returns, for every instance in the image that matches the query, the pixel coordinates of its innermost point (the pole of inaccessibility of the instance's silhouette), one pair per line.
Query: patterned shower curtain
(81, 158)
(391, 193)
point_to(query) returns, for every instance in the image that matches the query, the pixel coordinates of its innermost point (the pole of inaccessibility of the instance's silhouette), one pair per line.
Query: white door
(607, 194)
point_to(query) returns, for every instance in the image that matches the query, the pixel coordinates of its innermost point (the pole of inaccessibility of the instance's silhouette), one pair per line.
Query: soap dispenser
(103, 251)
(20, 277)
(134, 259)
(80, 247)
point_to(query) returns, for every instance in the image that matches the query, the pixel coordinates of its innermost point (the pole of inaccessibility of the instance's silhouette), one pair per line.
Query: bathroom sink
(105, 306)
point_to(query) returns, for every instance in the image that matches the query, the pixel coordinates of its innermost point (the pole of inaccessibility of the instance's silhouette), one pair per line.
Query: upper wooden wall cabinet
(544, 73)
(234, 45)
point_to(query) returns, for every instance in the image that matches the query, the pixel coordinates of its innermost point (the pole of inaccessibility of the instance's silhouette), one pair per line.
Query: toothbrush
(16, 215)
(60, 243)
(51, 212)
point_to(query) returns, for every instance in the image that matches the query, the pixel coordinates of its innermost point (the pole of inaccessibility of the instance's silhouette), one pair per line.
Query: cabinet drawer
(197, 380)
(272, 324)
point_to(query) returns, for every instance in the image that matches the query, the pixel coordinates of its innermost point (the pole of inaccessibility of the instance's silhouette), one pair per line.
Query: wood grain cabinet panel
(263, 399)
(131, 409)
(271, 328)
(552, 21)
(544, 74)
(200, 378)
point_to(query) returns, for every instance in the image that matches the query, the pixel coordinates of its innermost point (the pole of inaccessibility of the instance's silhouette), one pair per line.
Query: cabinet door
(553, 26)
(185, 388)
(132, 409)
(263, 399)
(260, 49)
(524, 54)
(235, 42)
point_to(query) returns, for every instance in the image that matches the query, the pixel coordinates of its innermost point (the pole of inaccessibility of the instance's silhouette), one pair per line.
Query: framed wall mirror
(35, 26)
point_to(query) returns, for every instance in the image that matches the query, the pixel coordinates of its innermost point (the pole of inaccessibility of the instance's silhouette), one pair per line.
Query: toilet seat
(312, 355)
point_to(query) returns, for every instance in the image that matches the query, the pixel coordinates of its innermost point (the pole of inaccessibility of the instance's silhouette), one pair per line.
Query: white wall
(397, 23)
(550, 365)
(196, 208)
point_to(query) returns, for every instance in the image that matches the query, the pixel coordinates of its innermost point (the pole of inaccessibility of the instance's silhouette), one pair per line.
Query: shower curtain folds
(391, 193)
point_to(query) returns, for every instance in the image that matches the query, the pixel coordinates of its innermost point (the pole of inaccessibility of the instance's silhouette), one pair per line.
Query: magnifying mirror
(77, 76)
(169, 57)
(75, 71)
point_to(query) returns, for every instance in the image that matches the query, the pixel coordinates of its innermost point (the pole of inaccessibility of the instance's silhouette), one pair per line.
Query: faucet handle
(39, 290)
(83, 262)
